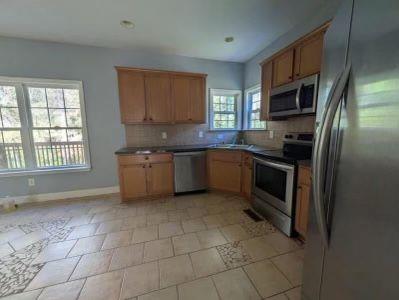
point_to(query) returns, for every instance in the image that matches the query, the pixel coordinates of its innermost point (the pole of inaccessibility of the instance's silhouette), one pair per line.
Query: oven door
(274, 184)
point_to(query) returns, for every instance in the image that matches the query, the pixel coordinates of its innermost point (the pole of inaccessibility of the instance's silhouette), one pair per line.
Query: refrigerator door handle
(321, 148)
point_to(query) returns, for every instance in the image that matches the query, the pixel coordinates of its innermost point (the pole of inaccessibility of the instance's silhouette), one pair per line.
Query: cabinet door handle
(145, 119)
(150, 166)
(150, 119)
(143, 166)
(146, 158)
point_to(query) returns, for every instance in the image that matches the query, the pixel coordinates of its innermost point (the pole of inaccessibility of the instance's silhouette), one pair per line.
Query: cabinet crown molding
(159, 71)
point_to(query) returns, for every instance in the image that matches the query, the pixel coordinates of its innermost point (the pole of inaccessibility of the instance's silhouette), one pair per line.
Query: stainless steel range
(274, 183)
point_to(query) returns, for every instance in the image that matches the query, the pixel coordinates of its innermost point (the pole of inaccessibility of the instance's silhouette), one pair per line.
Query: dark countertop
(185, 148)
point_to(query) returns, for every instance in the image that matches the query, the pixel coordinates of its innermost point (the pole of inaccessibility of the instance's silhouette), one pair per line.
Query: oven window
(271, 181)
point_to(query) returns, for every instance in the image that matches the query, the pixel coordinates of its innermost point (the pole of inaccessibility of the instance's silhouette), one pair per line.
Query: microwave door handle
(298, 97)
(321, 149)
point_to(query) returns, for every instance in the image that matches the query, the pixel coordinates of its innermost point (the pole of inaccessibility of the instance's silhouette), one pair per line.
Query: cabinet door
(158, 98)
(131, 96)
(267, 73)
(197, 100)
(302, 209)
(181, 99)
(133, 182)
(247, 180)
(225, 176)
(283, 67)
(160, 178)
(308, 56)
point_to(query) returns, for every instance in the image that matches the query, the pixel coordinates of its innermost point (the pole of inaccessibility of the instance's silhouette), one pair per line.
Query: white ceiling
(194, 28)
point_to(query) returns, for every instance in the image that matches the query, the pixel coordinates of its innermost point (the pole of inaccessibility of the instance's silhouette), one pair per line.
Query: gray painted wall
(252, 68)
(95, 67)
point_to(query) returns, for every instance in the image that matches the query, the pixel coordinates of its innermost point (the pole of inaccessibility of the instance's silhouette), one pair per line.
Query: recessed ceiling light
(229, 39)
(127, 24)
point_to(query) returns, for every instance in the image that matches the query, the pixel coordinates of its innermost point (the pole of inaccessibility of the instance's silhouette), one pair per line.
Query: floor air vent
(252, 215)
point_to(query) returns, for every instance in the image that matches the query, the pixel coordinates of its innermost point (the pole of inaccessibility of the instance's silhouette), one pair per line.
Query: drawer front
(225, 155)
(304, 175)
(139, 158)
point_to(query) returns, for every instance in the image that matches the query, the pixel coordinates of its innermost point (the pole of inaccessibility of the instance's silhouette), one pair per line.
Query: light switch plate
(200, 134)
(164, 135)
(31, 181)
(271, 134)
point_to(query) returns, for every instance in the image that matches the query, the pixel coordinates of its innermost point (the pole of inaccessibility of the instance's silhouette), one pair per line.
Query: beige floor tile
(214, 221)
(281, 243)
(175, 270)
(156, 219)
(267, 279)
(178, 215)
(28, 239)
(106, 286)
(291, 264)
(10, 235)
(140, 280)
(169, 229)
(82, 231)
(235, 216)
(5, 250)
(199, 289)
(79, 220)
(87, 245)
(53, 273)
(165, 294)
(207, 262)
(145, 234)
(109, 226)
(31, 295)
(54, 251)
(103, 217)
(158, 249)
(294, 294)
(127, 256)
(278, 297)
(186, 243)
(134, 222)
(258, 248)
(92, 264)
(235, 285)
(215, 209)
(211, 238)
(193, 225)
(234, 233)
(126, 212)
(196, 212)
(117, 239)
(64, 291)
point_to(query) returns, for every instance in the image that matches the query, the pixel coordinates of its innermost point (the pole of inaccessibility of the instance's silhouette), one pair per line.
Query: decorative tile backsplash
(280, 128)
(182, 134)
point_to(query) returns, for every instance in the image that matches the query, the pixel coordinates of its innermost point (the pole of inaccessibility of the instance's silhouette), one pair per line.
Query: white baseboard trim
(62, 195)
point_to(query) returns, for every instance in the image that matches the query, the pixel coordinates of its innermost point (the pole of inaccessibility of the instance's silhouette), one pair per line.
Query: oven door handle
(321, 149)
(279, 166)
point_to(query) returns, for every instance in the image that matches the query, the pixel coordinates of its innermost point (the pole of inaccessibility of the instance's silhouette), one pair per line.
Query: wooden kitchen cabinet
(158, 98)
(283, 68)
(224, 170)
(188, 94)
(247, 175)
(161, 97)
(308, 55)
(132, 96)
(302, 200)
(142, 176)
(267, 75)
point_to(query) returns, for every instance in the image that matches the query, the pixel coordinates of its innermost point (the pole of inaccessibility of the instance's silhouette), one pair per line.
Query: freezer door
(361, 261)
(334, 61)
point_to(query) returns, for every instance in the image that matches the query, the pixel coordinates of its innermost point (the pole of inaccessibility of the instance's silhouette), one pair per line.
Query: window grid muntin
(224, 103)
(254, 123)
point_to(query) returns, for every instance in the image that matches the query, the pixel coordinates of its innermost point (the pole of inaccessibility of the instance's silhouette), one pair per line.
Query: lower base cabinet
(302, 200)
(143, 176)
(247, 175)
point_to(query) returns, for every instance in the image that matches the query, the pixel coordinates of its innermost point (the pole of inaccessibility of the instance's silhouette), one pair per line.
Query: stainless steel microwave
(295, 98)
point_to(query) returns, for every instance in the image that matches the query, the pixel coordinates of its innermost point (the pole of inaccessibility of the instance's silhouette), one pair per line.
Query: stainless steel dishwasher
(190, 171)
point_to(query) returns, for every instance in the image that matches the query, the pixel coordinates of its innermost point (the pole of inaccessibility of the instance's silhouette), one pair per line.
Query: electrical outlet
(271, 134)
(164, 135)
(31, 181)
(200, 134)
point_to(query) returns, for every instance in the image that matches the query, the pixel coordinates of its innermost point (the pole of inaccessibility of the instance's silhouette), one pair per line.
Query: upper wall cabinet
(161, 97)
(188, 94)
(300, 59)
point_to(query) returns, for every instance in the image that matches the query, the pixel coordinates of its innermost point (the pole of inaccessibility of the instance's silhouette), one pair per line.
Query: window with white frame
(252, 110)
(42, 126)
(225, 109)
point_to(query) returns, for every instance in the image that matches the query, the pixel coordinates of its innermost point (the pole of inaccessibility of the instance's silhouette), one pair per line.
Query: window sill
(221, 130)
(255, 129)
(45, 171)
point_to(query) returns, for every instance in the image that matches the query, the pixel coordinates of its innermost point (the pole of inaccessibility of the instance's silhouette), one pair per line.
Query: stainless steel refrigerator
(352, 249)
